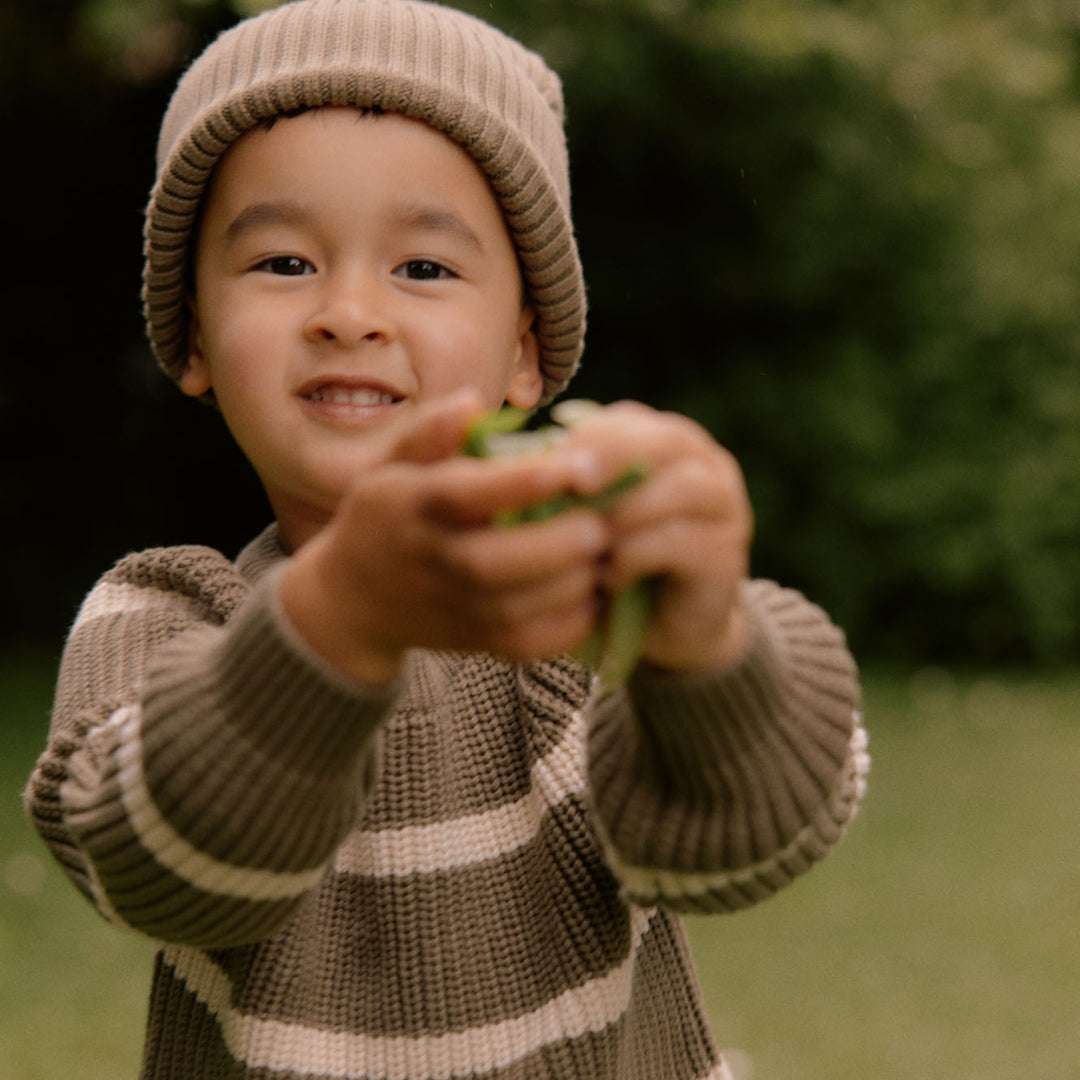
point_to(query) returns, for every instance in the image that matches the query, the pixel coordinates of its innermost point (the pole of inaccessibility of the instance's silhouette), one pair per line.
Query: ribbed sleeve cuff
(724, 769)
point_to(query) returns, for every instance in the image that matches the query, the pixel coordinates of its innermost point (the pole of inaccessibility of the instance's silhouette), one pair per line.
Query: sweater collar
(264, 552)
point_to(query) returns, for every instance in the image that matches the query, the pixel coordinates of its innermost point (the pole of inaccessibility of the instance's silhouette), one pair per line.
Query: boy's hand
(688, 524)
(411, 557)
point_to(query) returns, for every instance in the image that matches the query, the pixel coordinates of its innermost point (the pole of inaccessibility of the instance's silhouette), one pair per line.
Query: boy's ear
(527, 381)
(195, 378)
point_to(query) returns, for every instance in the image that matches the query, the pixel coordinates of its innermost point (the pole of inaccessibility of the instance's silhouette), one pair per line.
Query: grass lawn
(941, 941)
(73, 989)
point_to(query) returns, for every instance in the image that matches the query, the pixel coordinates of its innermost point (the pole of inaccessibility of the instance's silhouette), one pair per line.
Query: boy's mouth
(349, 401)
(344, 395)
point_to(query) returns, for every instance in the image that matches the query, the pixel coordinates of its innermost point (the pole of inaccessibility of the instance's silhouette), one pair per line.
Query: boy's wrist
(730, 644)
(315, 614)
(711, 653)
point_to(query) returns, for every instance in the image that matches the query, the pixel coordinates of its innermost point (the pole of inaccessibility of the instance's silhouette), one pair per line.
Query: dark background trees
(842, 235)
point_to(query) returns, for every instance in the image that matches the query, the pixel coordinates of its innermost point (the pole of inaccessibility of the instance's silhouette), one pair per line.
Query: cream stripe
(656, 885)
(474, 838)
(111, 598)
(387, 853)
(859, 748)
(97, 890)
(287, 1047)
(101, 898)
(174, 852)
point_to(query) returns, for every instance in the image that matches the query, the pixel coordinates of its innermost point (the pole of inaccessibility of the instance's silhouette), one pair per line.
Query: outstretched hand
(411, 558)
(688, 525)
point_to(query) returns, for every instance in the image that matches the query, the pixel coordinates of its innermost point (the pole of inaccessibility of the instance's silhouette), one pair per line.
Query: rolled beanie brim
(493, 97)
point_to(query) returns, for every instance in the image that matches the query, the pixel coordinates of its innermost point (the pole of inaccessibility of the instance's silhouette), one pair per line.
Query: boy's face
(348, 267)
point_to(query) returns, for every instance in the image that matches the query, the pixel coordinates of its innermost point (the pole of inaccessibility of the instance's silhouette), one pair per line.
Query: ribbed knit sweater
(475, 872)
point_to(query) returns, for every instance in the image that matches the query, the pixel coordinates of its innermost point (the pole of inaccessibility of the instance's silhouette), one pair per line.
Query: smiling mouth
(357, 396)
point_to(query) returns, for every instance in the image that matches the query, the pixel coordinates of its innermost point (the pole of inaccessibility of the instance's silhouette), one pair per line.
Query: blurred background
(844, 235)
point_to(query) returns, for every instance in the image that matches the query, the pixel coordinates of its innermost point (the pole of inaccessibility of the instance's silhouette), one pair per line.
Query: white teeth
(340, 395)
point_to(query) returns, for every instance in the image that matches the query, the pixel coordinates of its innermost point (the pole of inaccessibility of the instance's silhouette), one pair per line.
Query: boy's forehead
(327, 128)
(274, 174)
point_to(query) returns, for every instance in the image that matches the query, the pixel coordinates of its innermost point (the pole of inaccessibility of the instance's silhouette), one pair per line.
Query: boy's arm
(734, 756)
(715, 789)
(202, 765)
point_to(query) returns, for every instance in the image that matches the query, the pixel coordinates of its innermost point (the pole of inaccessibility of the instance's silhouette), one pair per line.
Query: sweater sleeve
(715, 790)
(202, 767)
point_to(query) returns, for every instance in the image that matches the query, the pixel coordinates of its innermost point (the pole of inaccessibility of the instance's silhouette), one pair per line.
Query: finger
(474, 490)
(528, 619)
(550, 630)
(683, 549)
(510, 610)
(632, 435)
(435, 430)
(710, 488)
(528, 554)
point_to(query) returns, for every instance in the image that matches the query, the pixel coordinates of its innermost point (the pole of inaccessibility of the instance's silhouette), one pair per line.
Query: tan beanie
(498, 100)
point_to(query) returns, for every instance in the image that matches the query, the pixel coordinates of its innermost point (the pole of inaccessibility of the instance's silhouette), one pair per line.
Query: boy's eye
(424, 270)
(287, 265)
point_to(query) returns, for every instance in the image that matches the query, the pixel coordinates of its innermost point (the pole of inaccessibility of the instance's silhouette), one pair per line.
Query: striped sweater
(476, 872)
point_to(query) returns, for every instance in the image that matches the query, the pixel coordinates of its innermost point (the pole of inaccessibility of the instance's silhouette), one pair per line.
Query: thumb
(435, 430)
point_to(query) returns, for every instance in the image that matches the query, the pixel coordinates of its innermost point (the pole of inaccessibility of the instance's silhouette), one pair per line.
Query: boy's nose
(349, 312)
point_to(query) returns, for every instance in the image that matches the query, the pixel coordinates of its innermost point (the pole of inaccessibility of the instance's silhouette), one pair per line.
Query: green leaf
(481, 431)
(613, 649)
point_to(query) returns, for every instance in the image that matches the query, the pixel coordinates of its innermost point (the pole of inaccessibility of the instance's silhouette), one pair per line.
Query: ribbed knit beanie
(493, 97)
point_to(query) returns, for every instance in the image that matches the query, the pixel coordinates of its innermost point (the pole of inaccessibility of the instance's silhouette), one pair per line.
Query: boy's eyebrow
(436, 219)
(407, 215)
(266, 213)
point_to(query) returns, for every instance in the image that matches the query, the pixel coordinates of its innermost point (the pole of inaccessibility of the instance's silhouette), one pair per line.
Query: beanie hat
(496, 99)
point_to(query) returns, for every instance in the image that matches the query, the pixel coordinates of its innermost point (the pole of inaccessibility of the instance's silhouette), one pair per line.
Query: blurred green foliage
(843, 234)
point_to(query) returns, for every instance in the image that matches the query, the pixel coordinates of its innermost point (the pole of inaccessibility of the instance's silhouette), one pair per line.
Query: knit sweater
(475, 872)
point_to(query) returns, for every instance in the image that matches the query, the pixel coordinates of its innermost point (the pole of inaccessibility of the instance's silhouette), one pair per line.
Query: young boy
(380, 820)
